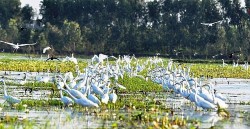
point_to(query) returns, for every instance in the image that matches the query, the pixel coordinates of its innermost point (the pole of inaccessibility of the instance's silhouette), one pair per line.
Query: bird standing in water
(10, 99)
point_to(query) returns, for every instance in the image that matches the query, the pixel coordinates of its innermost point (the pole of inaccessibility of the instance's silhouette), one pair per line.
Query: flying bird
(212, 23)
(17, 46)
(45, 49)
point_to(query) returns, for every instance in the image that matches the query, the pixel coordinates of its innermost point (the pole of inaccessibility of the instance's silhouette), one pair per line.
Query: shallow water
(236, 91)
(62, 118)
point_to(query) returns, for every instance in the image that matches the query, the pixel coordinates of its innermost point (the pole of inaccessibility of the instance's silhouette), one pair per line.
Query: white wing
(45, 49)
(211, 24)
(113, 57)
(219, 22)
(8, 43)
(94, 58)
(26, 44)
(102, 57)
(207, 24)
(120, 86)
(204, 24)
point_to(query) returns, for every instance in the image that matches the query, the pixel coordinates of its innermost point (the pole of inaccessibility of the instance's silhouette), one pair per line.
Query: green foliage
(118, 27)
(8, 9)
(139, 84)
(38, 66)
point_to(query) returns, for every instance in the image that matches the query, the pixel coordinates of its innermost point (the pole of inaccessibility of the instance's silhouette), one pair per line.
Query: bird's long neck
(4, 89)
(86, 77)
(64, 81)
(88, 87)
(195, 97)
(74, 98)
(61, 94)
(25, 77)
(66, 85)
(107, 86)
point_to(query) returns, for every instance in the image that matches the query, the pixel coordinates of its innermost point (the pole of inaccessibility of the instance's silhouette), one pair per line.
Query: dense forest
(169, 27)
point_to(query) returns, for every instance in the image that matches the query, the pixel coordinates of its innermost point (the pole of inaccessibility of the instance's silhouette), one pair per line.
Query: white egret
(82, 101)
(66, 100)
(205, 94)
(71, 59)
(72, 83)
(223, 63)
(219, 95)
(200, 102)
(113, 96)
(75, 93)
(93, 98)
(69, 76)
(46, 48)
(24, 81)
(17, 46)
(102, 57)
(221, 103)
(120, 86)
(105, 98)
(10, 99)
(96, 89)
(90, 96)
(80, 84)
(95, 58)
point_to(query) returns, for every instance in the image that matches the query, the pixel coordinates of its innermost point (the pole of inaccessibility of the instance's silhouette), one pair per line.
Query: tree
(72, 37)
(27, 14)
(12, 30)
(42, 40)
(54, 37)
(9, 9)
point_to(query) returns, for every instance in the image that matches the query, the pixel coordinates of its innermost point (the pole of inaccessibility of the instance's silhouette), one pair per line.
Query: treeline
(130, 26)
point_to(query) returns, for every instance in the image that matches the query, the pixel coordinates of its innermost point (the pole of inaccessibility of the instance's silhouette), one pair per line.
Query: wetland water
(237, 92)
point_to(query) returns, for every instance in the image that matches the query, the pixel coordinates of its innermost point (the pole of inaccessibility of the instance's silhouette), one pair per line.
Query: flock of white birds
(178, 79)
(98, 82)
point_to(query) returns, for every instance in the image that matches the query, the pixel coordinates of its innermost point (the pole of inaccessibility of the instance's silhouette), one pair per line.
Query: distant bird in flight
(45, 49)
(211, 24)
(17, 46)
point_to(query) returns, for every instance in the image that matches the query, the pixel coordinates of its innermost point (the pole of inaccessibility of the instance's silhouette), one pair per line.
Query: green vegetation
(38, 66)
(131, 26)
(212, 70)
(139, 109)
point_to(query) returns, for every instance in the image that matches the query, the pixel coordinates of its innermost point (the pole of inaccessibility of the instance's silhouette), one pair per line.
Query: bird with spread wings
(46, 48)
(213, 23)
(17, 46)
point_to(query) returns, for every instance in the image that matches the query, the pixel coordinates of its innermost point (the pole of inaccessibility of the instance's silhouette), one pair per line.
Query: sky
(242, 2)
(33, 3)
